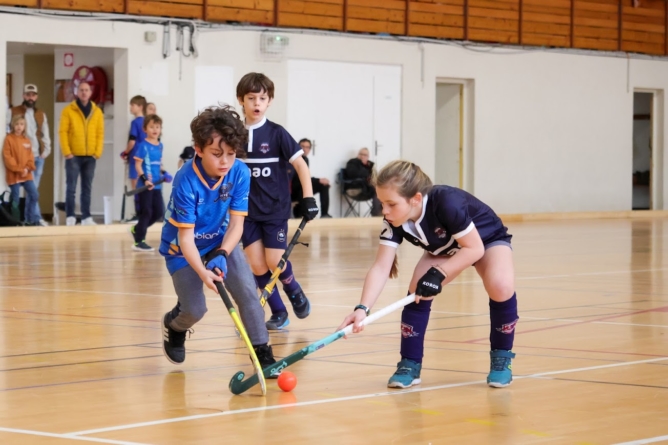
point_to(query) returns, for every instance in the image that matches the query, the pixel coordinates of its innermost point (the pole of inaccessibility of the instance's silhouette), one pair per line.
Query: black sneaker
(300, 304)
(173, 341)
(277, 321)
(142, 247)
(266, 357)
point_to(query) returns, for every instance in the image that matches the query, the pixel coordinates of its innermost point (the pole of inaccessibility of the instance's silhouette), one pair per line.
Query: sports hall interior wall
(548, 131)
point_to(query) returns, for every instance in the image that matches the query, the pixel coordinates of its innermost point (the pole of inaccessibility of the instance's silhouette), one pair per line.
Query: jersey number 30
(257, 172)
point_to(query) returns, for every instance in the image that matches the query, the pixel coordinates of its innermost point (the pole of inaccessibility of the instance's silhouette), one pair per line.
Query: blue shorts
(274, 233)
(132, 169)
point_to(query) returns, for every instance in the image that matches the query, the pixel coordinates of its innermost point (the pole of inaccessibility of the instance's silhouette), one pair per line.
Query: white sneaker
(70, 221)
(43, 223)
(88, 222)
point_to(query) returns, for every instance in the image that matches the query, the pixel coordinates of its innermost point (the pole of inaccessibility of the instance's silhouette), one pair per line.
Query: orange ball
(287, 381)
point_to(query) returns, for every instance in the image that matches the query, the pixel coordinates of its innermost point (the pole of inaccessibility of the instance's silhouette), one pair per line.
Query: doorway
(449, 134)
(642, 150)
(51, 68)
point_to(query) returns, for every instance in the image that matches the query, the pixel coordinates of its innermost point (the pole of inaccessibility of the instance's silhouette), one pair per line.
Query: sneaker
(43, 223)
(71, 221)
(173, 341)
(277, 321)
(406, 375)
(88, 222)
(266, 357)
(142, 247)
(501, 369)
(133, 220)
(325, 216)
(300, 304)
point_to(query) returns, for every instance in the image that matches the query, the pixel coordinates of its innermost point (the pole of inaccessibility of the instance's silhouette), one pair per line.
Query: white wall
(15, 68)
(447, 134)
(552, 131)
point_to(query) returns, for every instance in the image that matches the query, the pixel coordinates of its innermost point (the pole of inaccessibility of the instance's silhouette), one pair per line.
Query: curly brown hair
(152, 118)
(220, 121)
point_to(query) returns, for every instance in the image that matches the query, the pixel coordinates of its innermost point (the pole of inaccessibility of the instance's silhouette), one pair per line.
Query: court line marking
(345, 399)
(344, 289)
(643, 441)
(65, 436)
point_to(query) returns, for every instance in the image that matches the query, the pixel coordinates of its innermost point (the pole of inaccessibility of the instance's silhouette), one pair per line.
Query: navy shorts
(274, 233)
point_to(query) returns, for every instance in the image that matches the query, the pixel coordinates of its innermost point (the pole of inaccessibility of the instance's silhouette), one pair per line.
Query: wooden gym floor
(81, 359)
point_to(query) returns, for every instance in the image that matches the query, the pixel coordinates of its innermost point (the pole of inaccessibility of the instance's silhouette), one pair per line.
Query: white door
(343, 107)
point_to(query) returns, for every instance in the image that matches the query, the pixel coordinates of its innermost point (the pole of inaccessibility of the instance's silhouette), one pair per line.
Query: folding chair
(352, 193)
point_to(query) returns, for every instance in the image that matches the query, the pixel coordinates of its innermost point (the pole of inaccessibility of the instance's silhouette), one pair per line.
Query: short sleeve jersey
(199, 202)
(151, 157)
(448, 213)
(270, 149)
(137, 132)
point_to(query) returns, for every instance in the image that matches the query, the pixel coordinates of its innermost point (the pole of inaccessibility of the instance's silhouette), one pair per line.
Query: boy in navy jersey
(137, 136)
(270, 150)
(198, 236)
(456, 230)
(148, 164)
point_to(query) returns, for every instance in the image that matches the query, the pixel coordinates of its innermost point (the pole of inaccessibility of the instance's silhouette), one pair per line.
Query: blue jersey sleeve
(452, 210)
(290, 149)
(183, 204)
(140, 152)
(240, 190)
(391, 236)
(135, 130)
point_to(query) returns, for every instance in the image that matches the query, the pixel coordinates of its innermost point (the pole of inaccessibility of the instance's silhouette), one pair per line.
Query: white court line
(343, 399)
(642, 441)
(65, 436)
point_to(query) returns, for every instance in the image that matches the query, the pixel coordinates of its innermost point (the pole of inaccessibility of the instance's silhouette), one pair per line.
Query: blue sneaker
(300, 304)
(501, 369)
(277, 321)
(406, 375)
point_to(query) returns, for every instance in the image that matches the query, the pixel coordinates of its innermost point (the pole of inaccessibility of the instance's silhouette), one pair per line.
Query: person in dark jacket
(359, 171)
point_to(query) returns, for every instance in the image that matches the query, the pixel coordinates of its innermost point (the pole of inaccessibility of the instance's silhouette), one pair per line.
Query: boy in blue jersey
(148, 163)
(270, 150)
(197, 238)
(455, 230)
(137, 135)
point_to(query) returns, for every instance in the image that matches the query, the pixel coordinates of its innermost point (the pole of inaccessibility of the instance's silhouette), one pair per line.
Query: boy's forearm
(130, 146)
(304, 175)
(190, 252)
(233, 233)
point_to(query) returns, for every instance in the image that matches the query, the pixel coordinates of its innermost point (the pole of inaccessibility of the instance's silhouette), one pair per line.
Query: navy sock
(503, 318)
(414, 319)
(290, 285)
(274, 300)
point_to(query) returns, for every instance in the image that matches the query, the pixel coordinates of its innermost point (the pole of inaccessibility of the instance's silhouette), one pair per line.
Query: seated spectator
(359, 170)
(320, 185)
(19, 167)
(187, 154)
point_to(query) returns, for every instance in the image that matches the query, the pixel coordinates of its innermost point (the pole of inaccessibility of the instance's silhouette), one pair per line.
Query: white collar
(258, 125)
(420, 235)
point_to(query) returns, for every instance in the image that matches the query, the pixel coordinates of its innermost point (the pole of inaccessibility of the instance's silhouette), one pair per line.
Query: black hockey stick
(143, 188)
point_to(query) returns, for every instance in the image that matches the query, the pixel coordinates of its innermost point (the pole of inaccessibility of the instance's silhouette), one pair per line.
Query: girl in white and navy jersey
(456, 230)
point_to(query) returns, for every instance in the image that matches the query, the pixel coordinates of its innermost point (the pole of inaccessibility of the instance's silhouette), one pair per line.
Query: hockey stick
(238, 385)
(266, 292)
(259, 376)
(144, 188)
(125, 190)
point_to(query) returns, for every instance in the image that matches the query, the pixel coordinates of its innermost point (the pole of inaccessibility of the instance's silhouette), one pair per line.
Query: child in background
(19, 165)
(148, 161)
(137, 135)
(270, 150)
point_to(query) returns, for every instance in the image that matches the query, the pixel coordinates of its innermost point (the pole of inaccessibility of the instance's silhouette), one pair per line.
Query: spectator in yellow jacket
(81, 142)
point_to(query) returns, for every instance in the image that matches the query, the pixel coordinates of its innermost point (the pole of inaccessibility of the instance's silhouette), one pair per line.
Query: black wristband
(366, 310)
(143, 177)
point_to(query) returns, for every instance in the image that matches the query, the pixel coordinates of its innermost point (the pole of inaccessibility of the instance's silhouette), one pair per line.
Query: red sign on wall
(68, 59)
